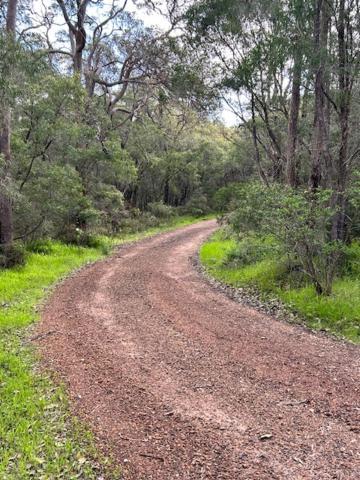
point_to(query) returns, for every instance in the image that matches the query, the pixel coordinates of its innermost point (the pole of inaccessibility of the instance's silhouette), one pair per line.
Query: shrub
(354, 205)
(300, 221)
(225, 198)
(197, 205)
(12, 255)
(137, 221)
(76, 236)
(160, 210)
(250, 250)
(352, 259)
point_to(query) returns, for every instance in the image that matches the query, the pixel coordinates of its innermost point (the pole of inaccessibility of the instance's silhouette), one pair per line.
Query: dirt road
(180, 382)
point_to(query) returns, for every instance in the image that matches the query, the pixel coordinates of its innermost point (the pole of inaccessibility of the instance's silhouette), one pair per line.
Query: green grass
(38, 438)
(338, 313)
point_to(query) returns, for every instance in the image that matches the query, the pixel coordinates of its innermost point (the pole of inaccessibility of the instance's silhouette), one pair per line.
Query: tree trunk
(80, 42)
(292, 174)
(345, 88)
(319, 139)
(255, 143)
(6, 220)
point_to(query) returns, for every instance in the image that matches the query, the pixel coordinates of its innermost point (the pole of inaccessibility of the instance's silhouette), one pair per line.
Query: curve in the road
(180, 382)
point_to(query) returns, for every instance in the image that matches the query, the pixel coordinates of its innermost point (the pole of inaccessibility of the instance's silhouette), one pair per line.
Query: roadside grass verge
(338, 313)
(38, 437)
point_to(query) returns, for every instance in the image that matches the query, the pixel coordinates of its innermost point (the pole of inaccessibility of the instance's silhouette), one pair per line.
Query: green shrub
(354, 205)
(137, 221)
(300, 221)
(12, 255)
(225, 198)
(72, 235)
(352, 259)
(250, 250)
(197, 206)
(160, 210)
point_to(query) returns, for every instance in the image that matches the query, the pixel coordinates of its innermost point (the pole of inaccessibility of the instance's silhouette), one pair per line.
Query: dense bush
(12, 255)
(300, 221)
(354, 206)
(226, 197)
(251, 249)
(76, 236)
(197, 205)
(160, 210)
(137, 221)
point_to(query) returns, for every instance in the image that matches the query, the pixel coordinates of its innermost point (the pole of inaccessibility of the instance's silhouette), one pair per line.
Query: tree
(6, 220)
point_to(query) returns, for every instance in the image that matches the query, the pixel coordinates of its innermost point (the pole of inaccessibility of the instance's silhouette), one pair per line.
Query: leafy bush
(300, 221)
(12, 255)
(160, 210)
(352, 259)
(197, 205)
(76, 236)
(250, 250)
(137, 221)
(225, 198)
(354, 205)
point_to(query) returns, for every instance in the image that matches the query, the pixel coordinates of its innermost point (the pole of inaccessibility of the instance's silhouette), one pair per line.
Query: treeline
(103, 124)
(290, 73)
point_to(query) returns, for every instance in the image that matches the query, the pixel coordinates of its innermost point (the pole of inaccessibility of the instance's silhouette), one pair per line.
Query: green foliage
(301, 223)
(197, 205)
(354, 205)
(226, 197)
(250, 250)
(271, 275)
(76, 236)
(160, 210)
(40, 245)
(12, 255)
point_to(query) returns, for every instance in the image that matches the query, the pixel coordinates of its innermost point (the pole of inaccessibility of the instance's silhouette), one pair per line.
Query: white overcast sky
(152, 19)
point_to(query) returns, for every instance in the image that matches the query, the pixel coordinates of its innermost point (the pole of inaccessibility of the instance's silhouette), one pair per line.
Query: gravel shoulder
(178, 381)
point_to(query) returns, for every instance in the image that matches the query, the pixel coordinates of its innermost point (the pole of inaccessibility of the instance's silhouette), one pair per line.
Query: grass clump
(38, 437)
(271, 273)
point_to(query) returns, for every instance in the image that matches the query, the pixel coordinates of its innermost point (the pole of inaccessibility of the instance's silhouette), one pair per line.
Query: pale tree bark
(319, 139)
(345, 83)
(6, 220)
(292, 174)
(77, 31)
(255, 143)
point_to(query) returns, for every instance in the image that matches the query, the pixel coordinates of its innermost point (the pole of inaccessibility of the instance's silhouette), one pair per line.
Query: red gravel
(180, 382)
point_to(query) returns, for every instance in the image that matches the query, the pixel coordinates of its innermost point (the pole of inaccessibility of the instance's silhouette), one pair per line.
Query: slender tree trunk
(80, 42)
(6, 220)
(292, 174)
(255, 143)
(319, 140)
(345, 87)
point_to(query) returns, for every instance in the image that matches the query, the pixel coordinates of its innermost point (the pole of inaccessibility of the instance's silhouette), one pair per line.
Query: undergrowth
(248, 264)
(38, 438)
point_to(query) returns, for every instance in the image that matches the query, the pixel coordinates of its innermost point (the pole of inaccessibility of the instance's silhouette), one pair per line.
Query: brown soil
(181, 382)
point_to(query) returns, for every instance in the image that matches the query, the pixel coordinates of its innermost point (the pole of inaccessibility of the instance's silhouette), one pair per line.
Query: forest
(120, 119)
